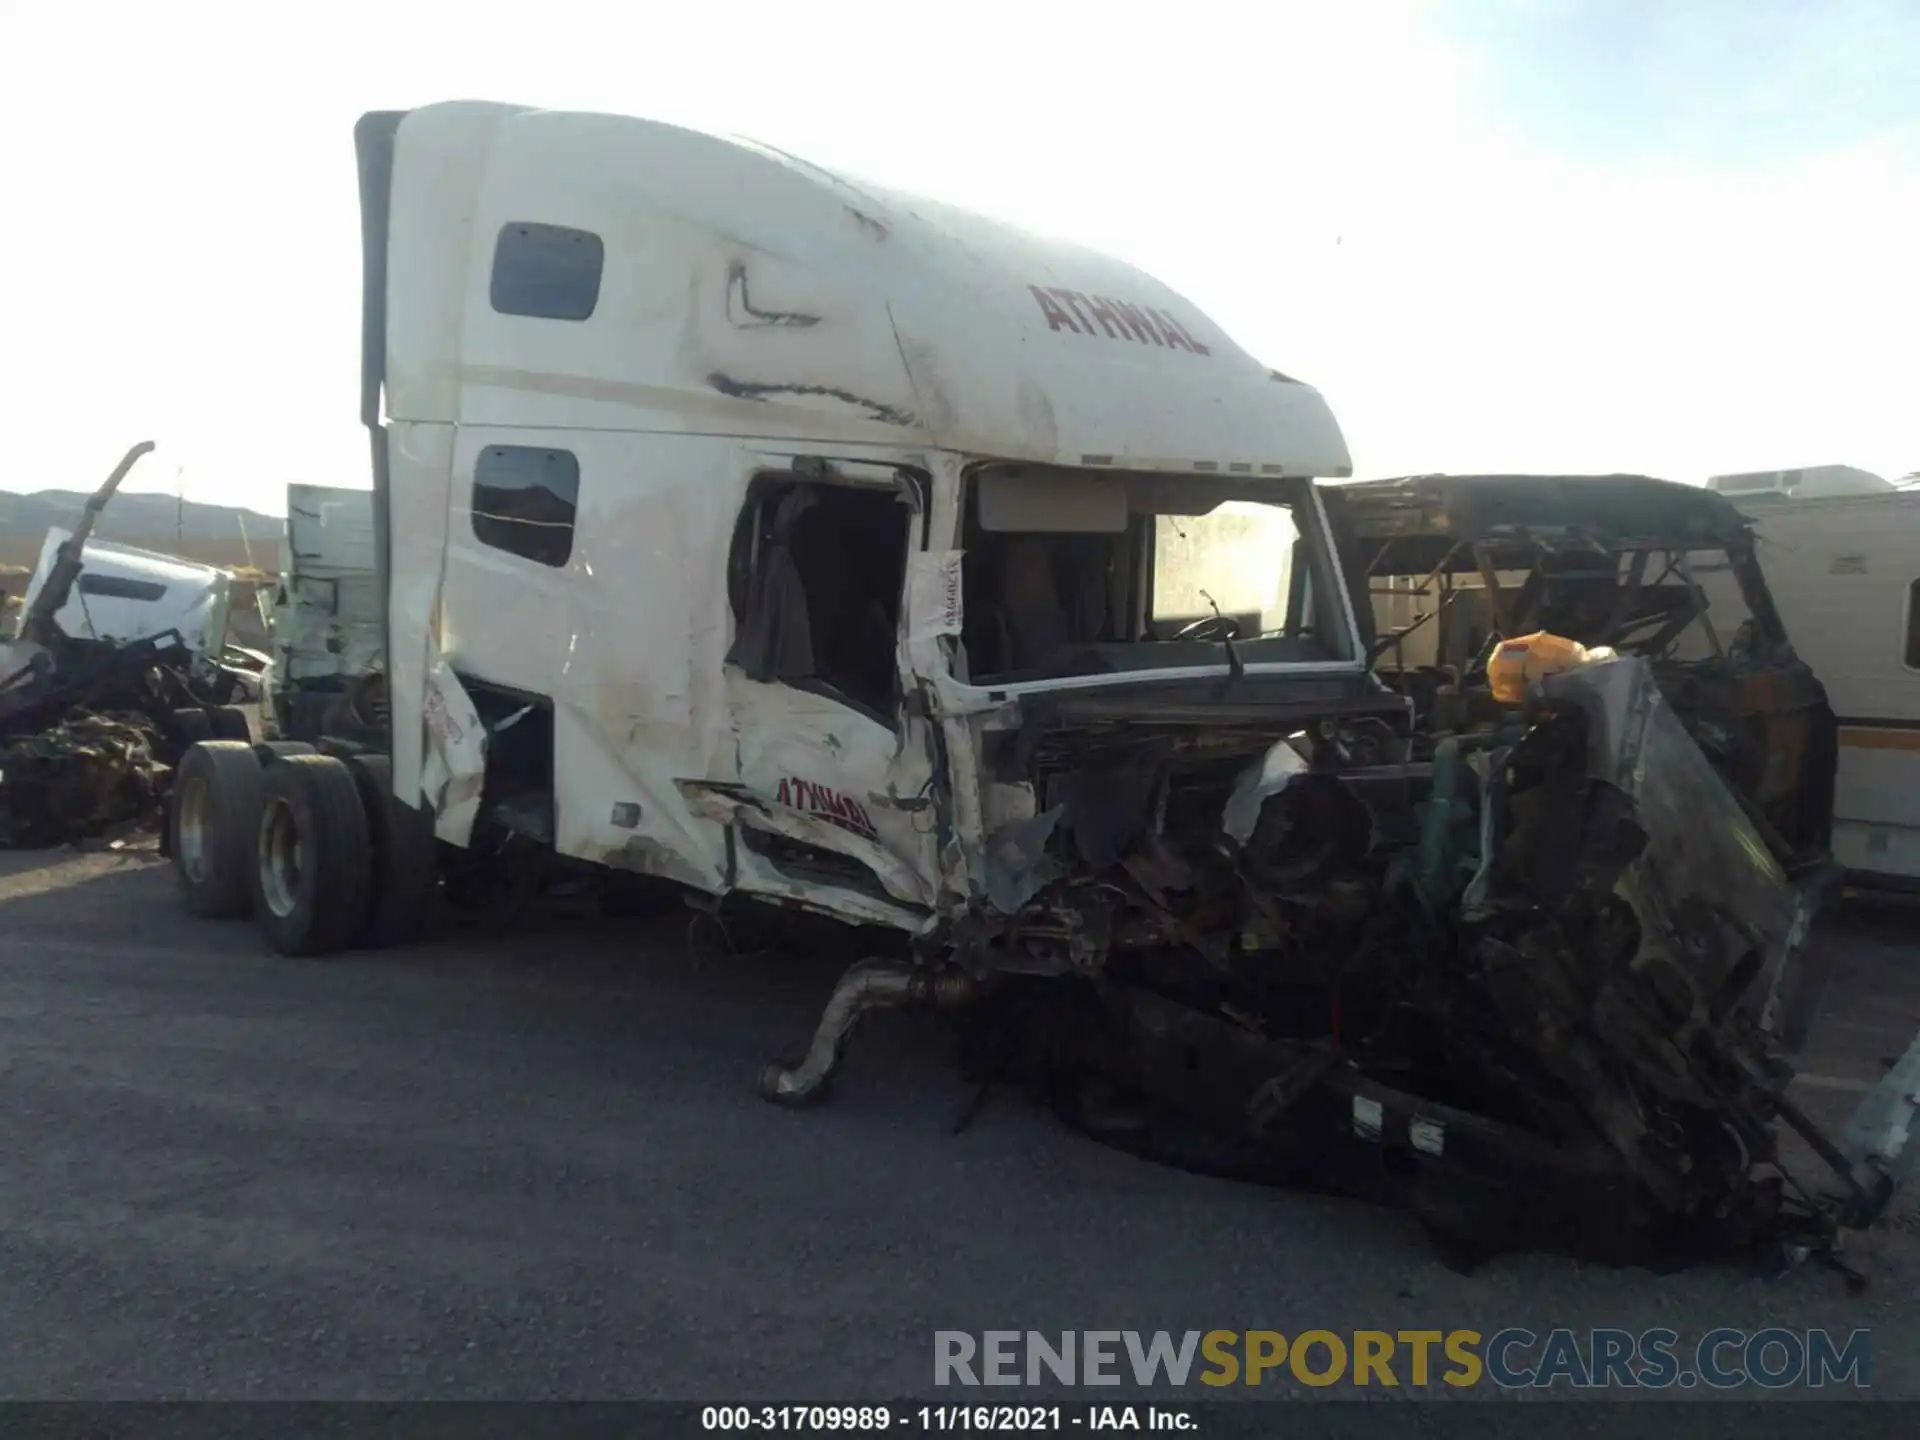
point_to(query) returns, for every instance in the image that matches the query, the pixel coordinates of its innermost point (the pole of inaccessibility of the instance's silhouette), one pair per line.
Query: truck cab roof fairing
(747, 293)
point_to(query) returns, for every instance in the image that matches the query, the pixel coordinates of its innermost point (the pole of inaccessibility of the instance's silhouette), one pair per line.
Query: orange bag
(1517, 663)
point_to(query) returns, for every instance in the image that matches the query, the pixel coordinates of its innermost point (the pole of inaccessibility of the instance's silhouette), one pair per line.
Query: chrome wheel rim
(191, 841)
(279, 857)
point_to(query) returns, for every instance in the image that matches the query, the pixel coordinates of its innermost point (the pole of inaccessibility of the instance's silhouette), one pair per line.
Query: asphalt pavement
(533, 1164)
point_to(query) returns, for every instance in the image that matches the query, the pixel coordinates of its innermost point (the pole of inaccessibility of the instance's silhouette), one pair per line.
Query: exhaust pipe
(869, 985)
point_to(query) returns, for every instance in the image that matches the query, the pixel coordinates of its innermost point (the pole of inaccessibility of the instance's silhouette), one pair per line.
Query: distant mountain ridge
(212, 534)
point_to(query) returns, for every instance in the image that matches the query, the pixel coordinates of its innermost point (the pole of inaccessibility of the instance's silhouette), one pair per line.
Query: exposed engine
(1534, 987)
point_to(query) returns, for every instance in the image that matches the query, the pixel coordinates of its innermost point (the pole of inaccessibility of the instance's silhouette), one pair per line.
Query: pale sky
(1674, 236)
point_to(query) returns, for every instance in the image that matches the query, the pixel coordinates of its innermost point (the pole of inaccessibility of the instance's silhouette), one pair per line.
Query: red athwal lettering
(810, 797)
(1104, 318)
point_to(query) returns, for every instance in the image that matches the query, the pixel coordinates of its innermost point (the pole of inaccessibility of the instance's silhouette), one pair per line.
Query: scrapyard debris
(64, 709)
(90, 726)
(1532, 987)
(79, 779)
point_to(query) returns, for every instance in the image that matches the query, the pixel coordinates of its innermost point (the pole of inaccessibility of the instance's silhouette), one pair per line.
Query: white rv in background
(1841, 550)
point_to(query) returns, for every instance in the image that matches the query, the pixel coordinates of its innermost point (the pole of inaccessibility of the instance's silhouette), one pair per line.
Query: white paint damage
(749, 293)
(832, 778)
(1258, 783)
(456, 753)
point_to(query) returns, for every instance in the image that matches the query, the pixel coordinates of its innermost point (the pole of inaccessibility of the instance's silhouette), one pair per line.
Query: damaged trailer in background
(1455, 565)
(858, 556)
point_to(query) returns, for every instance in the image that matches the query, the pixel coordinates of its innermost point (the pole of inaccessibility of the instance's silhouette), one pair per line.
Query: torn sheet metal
(825, 833)
(1272, 774)
(1548, 970)
(934, 607)
(836, 896)
(1704, 862)
(841, 783)
(1017, 864)
(456, 753)
(1879, 1136)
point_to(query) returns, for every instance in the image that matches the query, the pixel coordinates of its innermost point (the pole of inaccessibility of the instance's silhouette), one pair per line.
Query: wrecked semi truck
(811, 547)
(116, 670)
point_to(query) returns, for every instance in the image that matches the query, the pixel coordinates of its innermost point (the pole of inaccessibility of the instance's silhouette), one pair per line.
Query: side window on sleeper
(524, 499)
(550, 272)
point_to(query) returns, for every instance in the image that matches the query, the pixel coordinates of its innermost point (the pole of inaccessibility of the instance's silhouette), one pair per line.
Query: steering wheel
(1210, 627)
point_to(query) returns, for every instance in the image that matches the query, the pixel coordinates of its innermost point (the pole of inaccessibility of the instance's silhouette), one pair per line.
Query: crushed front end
(1530, 988)
(1229, 898)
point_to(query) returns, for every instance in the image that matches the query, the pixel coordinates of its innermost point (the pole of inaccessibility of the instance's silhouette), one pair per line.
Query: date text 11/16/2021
(944, 1418)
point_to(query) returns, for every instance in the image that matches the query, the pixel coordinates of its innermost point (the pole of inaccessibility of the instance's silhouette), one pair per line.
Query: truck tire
(406, 857)
(213, 815)
(230, 723)
(313, 866)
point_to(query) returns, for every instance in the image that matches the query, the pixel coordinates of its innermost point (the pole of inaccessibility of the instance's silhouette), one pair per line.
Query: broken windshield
(1078, 573)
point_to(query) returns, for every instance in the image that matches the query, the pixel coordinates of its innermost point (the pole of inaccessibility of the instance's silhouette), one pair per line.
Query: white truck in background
(328, 609)
(126, 594)
(1841, 548)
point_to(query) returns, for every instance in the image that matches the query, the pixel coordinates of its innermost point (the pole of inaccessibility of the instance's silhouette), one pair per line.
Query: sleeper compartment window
(546, 271)
(524, 499)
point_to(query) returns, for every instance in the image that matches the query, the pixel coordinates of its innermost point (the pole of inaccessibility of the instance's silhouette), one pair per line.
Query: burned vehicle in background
(1454, 564)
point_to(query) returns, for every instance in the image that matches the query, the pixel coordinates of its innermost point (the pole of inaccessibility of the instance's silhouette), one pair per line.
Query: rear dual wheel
(216, 795)
(316, 847)
(313, 871)
(406, 857)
